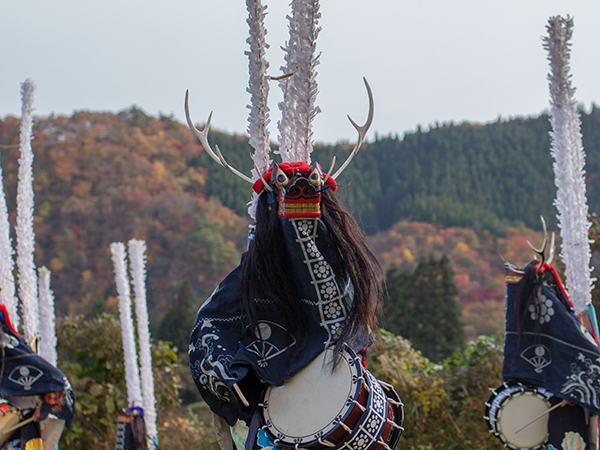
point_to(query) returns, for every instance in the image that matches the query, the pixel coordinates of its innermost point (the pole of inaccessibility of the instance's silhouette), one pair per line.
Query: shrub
(91, 356)
(443, 403)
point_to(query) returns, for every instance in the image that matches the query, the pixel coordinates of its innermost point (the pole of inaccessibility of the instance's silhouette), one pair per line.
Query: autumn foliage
(476, 259)
(101, 178)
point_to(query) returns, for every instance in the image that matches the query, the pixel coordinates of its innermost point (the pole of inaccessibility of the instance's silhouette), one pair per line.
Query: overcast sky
(427, 60)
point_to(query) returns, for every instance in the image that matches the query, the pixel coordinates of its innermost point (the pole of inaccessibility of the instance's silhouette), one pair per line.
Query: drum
(513, 405)
(9, 417)
(346, 408)
(396, 414)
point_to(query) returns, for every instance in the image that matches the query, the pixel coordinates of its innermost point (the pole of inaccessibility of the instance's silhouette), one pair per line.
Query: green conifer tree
(177, 324)
(422, 307)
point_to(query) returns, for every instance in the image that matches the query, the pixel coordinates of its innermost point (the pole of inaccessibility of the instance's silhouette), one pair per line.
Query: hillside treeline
(468, 175)
(102, 177)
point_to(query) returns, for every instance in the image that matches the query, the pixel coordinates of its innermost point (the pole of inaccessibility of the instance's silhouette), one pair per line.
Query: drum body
(345, 408)
(9, 417)
(395, 414)
(513, 405)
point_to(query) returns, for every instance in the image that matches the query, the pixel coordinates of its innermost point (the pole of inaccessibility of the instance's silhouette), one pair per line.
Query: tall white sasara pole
(258, 87)
(298, 108)
(137, 259)
(569, 161)
(47, 348)
(25, 237)
(7, 279)
(132, 374)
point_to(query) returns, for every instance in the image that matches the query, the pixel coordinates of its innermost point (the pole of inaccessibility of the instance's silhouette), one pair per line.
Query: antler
(362, 131)
(551, 254)
(330, 169)
(233, 170)
(203, 138)
(513, 267)
(201, 135)
(542, 250)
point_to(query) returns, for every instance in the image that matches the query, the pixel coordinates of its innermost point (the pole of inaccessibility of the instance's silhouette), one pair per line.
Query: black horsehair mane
(266, 268)
(528, 293)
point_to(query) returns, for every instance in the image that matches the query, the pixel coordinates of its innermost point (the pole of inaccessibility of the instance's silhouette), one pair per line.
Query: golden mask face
(299, 195)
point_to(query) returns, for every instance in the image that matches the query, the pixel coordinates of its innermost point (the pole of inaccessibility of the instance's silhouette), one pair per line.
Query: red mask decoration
(298, 187)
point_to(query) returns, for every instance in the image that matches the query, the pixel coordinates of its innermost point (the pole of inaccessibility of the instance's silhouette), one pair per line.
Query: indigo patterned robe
(554, 350)
(225, 349)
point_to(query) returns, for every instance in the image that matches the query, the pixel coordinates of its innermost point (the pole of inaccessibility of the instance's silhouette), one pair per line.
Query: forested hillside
(103, 177)
(477, 262)
(475, 176)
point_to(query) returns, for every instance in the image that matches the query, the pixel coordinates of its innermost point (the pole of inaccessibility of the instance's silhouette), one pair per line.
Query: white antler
(362, 131)
(542, 251)
(203, 138)
(201, 135)
(233, 170)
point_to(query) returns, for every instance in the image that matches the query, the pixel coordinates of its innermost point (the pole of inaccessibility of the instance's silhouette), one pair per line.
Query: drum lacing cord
(389, 386)
(346, 428)
(395, 425)
(365, 384)
(325, 442)
(361, 407)
(380, 441)
(384, 384)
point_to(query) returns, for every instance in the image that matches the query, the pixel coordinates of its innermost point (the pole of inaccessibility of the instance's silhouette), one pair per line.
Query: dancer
(307, 292)
(36, 399)
(549, 351)
(552, 338)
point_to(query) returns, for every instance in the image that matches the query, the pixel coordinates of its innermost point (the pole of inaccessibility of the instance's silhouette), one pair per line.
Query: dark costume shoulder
(551, 348)
(25, 373)
(225, 348)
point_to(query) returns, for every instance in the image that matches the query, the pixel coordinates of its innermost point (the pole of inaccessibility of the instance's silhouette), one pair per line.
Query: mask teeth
(299, 209)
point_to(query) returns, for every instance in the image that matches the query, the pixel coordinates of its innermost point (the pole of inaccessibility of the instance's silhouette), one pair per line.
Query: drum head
(511, 407)
(315, 398)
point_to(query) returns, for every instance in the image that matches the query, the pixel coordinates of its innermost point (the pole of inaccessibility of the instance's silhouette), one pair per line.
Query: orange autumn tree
(100, 178)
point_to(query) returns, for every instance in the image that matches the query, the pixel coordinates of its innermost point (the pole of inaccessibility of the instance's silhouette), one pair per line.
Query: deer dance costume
(308, 280)
(252, 332)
